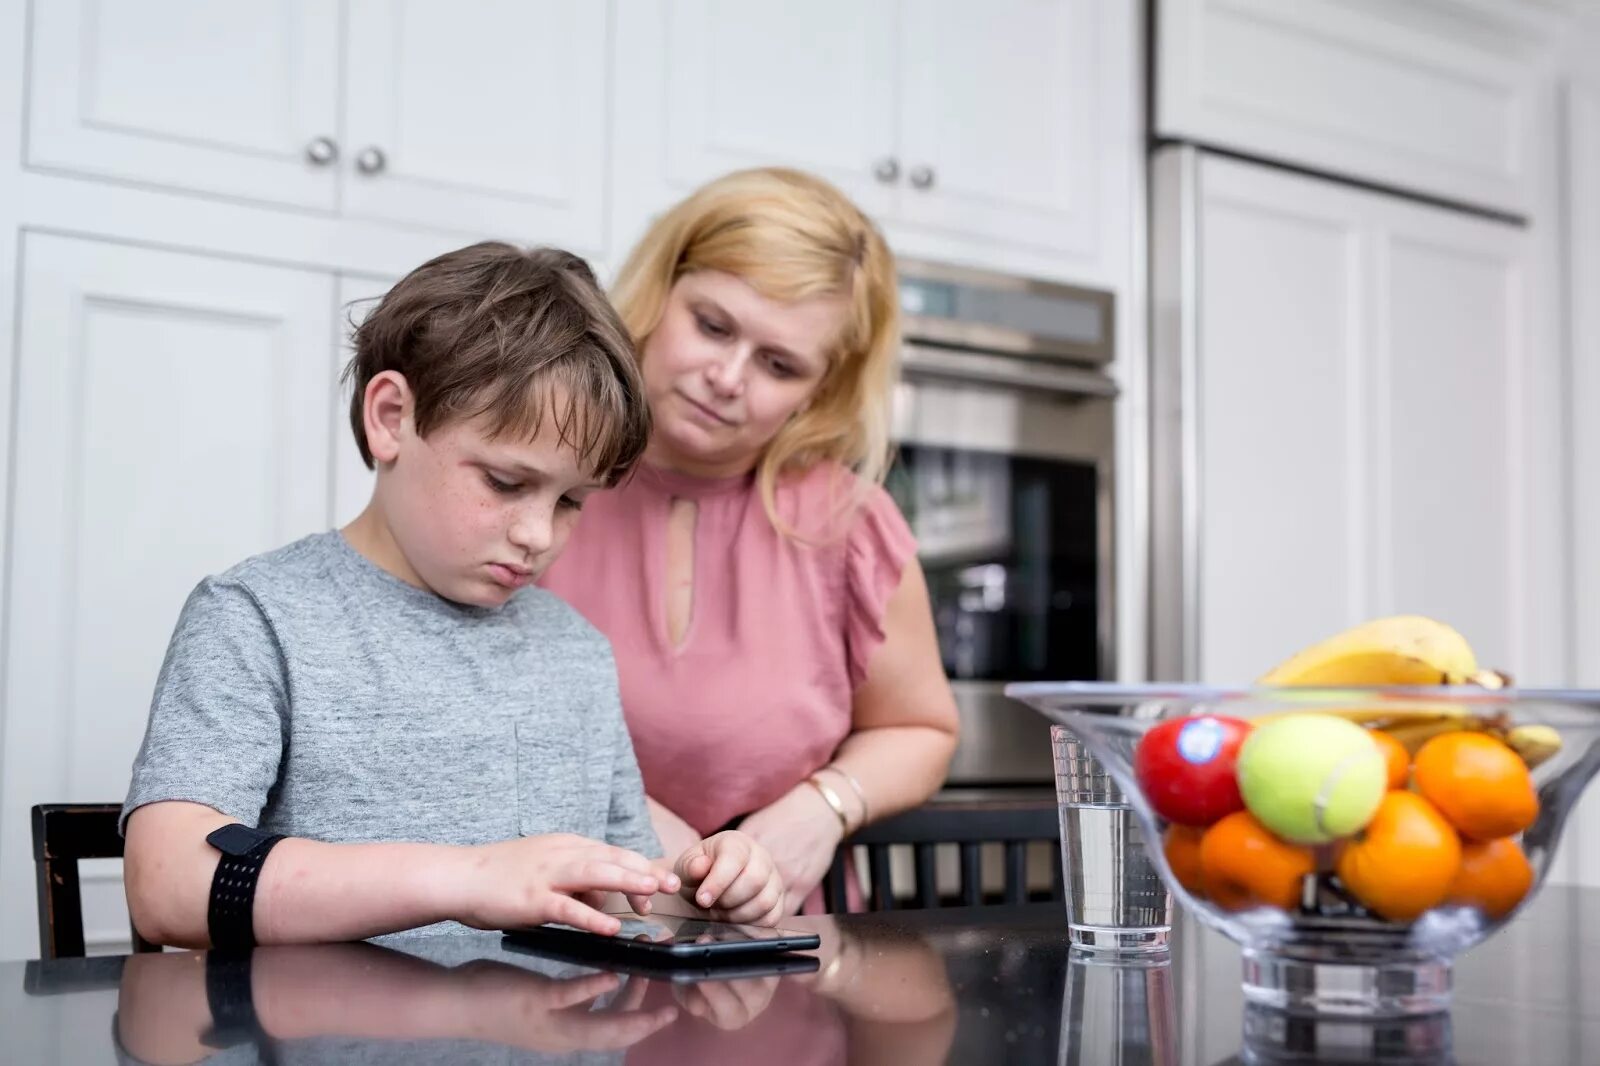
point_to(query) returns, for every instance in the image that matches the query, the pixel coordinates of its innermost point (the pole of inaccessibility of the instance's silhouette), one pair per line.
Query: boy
(419, 736)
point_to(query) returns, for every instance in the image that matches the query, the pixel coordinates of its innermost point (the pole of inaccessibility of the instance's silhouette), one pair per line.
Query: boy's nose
(532, 530)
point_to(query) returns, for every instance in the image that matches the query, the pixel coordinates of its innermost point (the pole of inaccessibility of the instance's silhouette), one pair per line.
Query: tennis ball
(1311, 778)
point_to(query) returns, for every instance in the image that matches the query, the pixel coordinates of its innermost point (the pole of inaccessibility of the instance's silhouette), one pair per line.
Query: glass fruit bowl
(1349, 888)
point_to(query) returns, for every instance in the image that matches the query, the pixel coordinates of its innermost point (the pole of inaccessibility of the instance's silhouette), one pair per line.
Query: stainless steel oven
(1004, 468)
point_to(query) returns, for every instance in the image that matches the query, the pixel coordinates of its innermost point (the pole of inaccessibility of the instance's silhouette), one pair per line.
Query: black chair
(968, 825)
(63, 833)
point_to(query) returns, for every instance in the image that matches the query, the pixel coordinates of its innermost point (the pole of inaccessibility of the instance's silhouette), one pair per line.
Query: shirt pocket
(563, 782)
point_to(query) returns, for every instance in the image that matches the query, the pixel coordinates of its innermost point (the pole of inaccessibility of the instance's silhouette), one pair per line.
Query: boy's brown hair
(513, 334)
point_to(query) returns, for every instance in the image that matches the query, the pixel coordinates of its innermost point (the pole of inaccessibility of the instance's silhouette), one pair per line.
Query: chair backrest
(1014, 824)
(63, 833)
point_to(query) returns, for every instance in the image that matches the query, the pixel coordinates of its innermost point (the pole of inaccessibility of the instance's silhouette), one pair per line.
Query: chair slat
(971, 875)
(1016, 872)
(927, 876)
(882, 889)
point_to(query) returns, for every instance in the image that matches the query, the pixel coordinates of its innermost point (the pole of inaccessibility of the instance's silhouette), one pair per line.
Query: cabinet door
(171, 419)
(709, 86)
(1376, 433)
(351, 486)
(1583, 212)
(188, 94)
(486, 117)
(1415, 96)
(1001, 113)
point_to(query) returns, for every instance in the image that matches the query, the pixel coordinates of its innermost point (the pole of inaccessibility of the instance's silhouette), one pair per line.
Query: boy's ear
(386, 409)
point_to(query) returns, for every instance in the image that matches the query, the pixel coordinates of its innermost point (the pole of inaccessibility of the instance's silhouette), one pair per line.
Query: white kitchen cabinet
(1002, 136)
(1583, 314)
(744, 83)
(1369, 426)
(1000, 121)
(188, 94)
(483, 116)
(351, 482)
(171, 419)
(486, 117)
(1440, 99)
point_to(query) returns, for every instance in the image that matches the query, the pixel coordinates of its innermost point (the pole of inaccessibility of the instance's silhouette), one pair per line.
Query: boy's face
(474, 518)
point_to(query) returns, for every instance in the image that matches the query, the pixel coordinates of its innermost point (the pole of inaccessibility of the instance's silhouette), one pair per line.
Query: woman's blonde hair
(790, 236)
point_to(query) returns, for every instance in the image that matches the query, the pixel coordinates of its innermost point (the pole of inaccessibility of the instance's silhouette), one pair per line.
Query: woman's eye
(780, 368)
(505, 488)
(710, 328)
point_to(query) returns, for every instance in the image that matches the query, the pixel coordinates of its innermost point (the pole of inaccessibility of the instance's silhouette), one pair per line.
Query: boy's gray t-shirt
(311, 693)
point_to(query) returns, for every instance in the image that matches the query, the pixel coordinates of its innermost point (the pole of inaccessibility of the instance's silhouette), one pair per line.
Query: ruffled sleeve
(879, 544)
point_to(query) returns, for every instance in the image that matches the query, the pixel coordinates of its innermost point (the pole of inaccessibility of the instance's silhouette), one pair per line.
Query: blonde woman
(773, 635)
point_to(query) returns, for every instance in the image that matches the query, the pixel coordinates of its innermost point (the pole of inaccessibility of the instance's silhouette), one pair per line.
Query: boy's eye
(570, 503)
(505, 488)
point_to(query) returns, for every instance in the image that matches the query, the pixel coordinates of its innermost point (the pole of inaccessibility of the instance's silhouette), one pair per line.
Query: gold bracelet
(832, 799)
(855, 786)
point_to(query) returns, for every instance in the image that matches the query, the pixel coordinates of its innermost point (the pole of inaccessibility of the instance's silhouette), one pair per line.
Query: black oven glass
(1011, 552)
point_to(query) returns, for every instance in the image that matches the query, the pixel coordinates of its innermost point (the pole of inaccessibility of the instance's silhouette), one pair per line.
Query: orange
(1182, 845)
(1494, 876)
(1243, 865)
(1478, 783)
(1395, 756)
(1404, 861)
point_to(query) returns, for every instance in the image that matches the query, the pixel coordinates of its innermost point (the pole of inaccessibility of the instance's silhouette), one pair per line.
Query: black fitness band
(230, 916)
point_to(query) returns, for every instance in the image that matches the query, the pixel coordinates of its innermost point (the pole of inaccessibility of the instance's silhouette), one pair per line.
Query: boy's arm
(169, 867)
(310, 891)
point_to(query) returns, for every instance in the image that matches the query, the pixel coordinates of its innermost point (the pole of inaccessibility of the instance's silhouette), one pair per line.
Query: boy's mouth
(510, 576)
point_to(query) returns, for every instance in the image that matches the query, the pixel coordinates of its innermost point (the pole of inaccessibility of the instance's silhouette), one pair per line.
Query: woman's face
(727, 367)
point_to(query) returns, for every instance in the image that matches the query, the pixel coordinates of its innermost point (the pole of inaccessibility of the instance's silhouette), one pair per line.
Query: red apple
(1186, 768)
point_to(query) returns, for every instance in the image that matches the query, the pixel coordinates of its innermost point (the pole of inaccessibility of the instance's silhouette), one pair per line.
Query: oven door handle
(981, 368)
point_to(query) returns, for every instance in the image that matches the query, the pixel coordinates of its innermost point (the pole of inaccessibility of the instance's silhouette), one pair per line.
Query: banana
(1535, 743)
(1402, 650)
(1416, 731)
(1409, 650)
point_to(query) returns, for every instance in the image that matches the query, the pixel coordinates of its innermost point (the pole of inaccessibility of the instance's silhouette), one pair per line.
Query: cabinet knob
(921, 177)
(886, 169)
(322, 151)
(371, 160)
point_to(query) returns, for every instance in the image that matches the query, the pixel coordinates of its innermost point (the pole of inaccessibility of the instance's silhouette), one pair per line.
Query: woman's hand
(802, 833)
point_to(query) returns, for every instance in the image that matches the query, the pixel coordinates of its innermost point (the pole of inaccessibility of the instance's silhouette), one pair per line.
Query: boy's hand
(555, 878)
(732, 876)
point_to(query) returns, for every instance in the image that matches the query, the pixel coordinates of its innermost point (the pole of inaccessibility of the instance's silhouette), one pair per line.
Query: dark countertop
(980, 985)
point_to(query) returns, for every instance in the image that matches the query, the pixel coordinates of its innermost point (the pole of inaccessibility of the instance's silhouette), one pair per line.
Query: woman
(774, 641)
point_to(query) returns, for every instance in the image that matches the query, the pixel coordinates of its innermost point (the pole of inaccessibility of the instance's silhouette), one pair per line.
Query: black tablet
(664, 938)
(677, 970)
